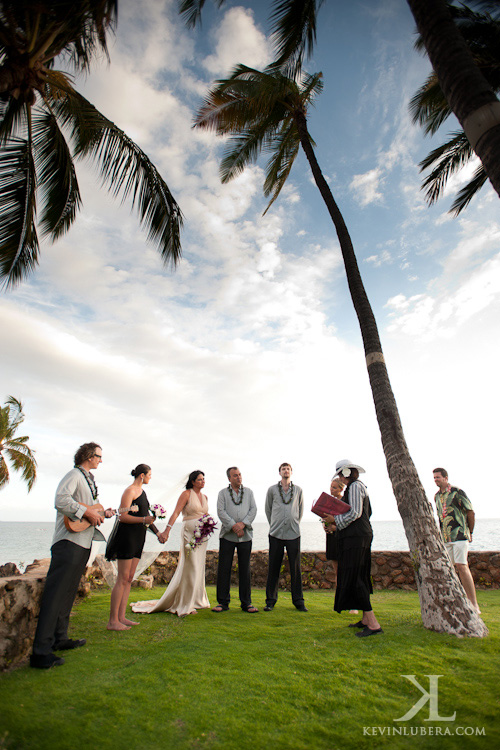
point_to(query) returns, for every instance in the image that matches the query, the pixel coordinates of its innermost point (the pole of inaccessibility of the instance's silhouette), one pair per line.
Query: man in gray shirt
(75, 496)
(236, 509)
(284, 509)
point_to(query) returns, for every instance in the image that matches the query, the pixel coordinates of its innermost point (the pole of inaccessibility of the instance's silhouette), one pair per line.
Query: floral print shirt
(452, 507)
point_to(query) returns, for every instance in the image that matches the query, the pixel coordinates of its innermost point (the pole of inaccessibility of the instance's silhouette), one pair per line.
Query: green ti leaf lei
(237, 502)
(287, 502)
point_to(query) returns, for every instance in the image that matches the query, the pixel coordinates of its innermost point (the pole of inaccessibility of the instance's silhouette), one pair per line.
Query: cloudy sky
(250, 352)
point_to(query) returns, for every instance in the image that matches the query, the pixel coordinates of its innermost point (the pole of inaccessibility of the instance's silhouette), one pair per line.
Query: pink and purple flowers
(204, 528)
(158, 511)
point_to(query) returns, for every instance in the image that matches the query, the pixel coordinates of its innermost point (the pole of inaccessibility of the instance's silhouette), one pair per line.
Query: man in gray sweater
(236, 509)
(284, 509)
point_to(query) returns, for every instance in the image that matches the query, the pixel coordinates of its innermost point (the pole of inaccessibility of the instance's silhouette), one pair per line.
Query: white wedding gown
(186, 591)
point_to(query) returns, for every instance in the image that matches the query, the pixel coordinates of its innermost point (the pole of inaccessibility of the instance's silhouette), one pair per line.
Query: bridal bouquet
(158, 511)
(204, 528)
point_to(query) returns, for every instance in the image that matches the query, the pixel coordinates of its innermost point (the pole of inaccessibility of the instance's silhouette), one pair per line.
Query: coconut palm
(266, 110)
(430, 109)
(45, 125)
(20, 455)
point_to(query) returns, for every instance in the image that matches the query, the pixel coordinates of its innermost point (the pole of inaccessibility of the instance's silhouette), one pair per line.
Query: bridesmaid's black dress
(127, 539)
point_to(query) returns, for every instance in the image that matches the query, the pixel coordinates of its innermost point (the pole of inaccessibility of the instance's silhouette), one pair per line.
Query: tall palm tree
(15, 449)
(430, 108)
(267, 110)
(39, 107)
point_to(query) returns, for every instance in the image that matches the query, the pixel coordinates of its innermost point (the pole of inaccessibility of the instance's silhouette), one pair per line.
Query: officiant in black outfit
(354, 537)
(70, 552)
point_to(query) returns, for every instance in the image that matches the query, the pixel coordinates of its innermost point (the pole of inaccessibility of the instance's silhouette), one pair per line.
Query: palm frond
(191, 11)
(293, 31)
(18, 237)
(13, 119)
(124, 169)
(285, 149)
(448, 159)
(46, 30)
(467, 193)
(57, 180)
(23, 460)
(244, 149)
(15, 417)
(428, 107)
(4, 472)
(311, 86)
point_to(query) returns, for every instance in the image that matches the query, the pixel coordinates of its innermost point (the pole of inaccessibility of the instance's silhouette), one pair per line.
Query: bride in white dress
(186, 591)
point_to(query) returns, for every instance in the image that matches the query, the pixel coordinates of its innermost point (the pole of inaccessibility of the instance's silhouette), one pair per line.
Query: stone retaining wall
(20, 595)
(390, 570)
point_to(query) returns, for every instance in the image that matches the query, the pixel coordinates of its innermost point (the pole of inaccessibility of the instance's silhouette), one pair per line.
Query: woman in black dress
(354, 538)
(126, 543)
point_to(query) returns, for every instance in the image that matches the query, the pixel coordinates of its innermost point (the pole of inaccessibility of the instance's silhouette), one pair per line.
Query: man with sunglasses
(75, 496)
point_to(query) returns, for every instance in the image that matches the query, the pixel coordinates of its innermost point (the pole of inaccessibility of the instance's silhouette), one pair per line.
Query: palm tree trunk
(443, 602)
(468, 93)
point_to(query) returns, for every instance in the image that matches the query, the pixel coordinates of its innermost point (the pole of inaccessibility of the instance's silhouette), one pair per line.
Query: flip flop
(359, 624)
(368, 631)
(220, 608)
(251, 609)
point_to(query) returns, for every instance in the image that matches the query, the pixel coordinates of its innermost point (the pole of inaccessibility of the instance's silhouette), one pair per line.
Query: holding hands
(162, 538)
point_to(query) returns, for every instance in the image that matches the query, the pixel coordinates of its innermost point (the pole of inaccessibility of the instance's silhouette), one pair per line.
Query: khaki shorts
(458, 552)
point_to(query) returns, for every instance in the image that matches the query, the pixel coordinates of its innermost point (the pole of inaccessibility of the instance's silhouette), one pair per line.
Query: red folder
(328, 505)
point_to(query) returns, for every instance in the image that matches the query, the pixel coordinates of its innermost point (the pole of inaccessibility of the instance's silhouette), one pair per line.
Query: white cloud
(379, 259)
(238, 40)
(367, 187)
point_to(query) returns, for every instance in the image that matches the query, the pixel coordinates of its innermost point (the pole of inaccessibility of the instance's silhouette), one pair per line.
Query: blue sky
(250, 352)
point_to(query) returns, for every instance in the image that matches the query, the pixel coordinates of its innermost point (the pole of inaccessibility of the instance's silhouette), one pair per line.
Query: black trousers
(66, 568)
(276, 551)
(226, 554)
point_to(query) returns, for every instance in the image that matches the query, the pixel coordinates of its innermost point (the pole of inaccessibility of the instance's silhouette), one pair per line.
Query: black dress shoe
(302, 608)
(69, 643)
(269, 608)
(368, 631)
(45, 661)
(358, 624)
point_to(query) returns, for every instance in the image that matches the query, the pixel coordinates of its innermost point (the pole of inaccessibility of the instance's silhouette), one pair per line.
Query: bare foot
(126, 621)
(353, 611)
(117, 626)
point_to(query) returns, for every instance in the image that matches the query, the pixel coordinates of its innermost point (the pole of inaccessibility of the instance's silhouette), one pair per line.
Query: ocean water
(21, 543)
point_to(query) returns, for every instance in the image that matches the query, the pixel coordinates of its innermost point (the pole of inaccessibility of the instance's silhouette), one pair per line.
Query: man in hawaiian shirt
(456, 519)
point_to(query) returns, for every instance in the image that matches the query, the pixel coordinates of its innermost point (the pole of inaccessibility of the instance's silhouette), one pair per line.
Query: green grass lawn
(281, 679)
